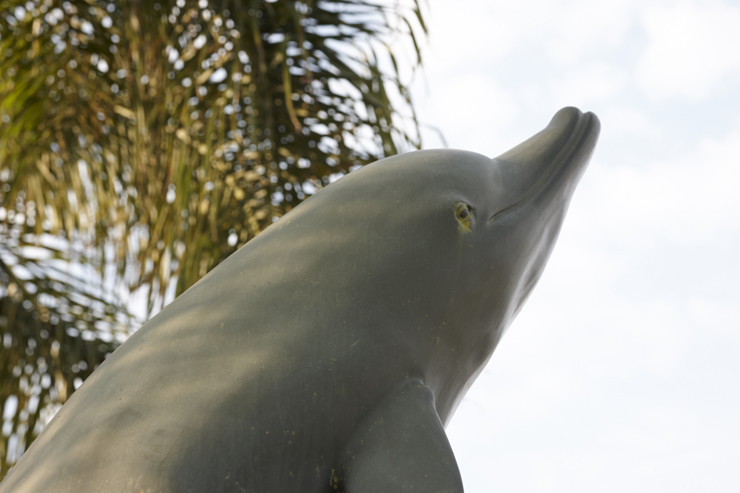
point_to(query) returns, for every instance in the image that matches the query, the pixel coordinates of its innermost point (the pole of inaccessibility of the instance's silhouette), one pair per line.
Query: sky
(620, 373)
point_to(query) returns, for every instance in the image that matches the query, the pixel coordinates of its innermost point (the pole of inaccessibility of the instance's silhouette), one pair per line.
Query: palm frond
(56, 325)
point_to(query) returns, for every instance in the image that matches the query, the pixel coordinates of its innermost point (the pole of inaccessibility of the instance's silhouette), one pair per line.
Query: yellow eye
(464, 215)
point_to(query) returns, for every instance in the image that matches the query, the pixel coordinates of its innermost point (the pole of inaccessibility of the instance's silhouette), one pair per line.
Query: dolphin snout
(551, 162)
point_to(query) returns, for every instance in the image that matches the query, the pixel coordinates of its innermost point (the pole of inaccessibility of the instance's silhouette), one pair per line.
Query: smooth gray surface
(331, 349)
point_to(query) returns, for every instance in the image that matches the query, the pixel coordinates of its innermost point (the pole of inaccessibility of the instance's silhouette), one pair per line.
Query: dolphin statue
(329, 353)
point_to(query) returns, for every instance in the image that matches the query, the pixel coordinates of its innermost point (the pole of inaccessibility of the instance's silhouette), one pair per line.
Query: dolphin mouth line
(585, 126)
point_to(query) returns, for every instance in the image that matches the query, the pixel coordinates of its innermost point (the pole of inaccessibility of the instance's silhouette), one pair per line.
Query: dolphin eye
(463, 212)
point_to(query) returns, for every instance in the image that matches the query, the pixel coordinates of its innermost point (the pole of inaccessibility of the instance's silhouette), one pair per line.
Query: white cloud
(593, 83)
(470, 32)
(585, 28)
(691, 47)
(714, 316)
(471, 107)
(625, 121)
(466, 33)
(684, 200)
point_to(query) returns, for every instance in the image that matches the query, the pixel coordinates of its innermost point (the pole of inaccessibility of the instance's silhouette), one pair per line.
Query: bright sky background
(621, 372)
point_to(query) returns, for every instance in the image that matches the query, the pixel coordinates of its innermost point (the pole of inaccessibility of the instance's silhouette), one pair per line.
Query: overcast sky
(621, 372)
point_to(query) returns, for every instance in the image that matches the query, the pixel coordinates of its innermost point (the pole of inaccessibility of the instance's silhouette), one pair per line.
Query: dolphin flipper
(401, 446)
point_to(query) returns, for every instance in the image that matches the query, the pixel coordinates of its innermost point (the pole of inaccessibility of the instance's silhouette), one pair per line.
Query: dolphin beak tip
(594, 122)
(570, 132)
(572, 116)
(572, 121)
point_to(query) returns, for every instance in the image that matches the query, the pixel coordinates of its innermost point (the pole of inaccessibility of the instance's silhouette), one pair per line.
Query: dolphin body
(329, 352)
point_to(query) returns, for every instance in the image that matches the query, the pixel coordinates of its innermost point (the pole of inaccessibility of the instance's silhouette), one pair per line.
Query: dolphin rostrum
(329, 352)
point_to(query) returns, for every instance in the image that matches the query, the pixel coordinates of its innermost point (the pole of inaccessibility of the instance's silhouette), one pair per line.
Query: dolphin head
(508, 212)
(436, 250)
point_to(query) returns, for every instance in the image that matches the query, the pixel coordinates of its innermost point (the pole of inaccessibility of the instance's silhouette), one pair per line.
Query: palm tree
(141, 143)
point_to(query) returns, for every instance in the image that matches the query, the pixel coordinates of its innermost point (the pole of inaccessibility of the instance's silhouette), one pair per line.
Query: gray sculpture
(329, 352)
